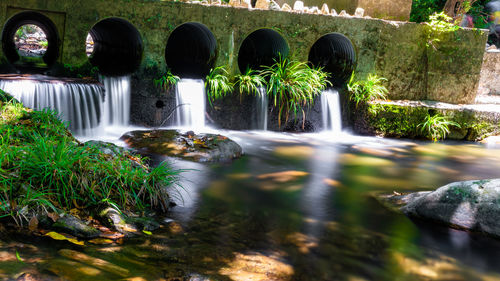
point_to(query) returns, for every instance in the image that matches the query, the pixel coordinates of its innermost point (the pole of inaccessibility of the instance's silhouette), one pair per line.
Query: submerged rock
(472, 205)
(129, 226)
(74, 226)
(200, 148)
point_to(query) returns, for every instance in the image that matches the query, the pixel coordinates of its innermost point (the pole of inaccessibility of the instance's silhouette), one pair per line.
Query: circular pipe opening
(335, 53)
(116, 47)
(261, 48)
(191, 51)
(18, 58)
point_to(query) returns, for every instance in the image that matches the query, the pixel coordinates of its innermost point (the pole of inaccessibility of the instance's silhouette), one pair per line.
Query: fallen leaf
(53, 216)
(33, 224)
(147, 232)
(58, 236)
(101, 241)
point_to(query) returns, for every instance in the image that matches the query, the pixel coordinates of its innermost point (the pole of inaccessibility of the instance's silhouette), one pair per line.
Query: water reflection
(298, 208)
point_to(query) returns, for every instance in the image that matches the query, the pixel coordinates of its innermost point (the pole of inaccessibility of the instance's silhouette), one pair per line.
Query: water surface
(295, 207)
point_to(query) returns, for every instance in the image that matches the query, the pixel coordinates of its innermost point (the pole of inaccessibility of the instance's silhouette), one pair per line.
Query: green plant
(166, 81)
(217, 84)
(436, 127)
(42, 167)
(293, 85)
(438, 24)
(367, 90)
(249, 82)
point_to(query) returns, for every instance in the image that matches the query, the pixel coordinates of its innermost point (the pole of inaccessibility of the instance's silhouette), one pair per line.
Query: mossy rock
(199, 148)
(74, 226)
(472, 205)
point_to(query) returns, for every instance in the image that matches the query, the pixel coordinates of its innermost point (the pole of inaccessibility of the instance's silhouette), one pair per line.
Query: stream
(294, 207)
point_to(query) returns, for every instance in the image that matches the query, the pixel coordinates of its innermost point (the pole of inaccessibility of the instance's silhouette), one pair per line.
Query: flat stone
(343, 13)
(199, 148)
(324, 9)
(298, 6)
(314, 10)
(246, 4)
(286, 8)
(274, 6)
(262, 4)
(234, 3)
(360, 12)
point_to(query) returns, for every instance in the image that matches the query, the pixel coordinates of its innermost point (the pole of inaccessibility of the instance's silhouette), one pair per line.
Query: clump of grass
(362, 91)
(217, 84)
(436, 127)
(249, 82)
(166, 81)
(293, 85)
(42, 168)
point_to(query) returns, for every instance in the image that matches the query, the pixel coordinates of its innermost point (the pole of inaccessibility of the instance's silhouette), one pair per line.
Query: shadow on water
(296, 210)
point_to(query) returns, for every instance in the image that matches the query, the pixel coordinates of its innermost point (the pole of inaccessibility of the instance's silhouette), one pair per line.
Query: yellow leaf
(57, 236)
(147, 232)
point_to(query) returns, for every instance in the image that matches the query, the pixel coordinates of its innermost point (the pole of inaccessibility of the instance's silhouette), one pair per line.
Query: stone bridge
(143, 36)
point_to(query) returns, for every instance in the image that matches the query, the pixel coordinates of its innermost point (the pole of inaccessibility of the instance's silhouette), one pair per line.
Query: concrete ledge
(401, 119)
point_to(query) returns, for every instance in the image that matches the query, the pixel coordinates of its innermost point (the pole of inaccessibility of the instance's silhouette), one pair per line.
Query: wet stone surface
(190, 146)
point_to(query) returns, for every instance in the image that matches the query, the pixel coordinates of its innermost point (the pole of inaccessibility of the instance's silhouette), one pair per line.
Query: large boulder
(473, 205)
(200, 148)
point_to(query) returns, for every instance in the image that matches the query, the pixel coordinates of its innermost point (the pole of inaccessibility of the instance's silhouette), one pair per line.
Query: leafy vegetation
(422, 9)
(366, 90)
(438, 24)
(293, 85)
(436, 127)
(249, 82)
(217, 84)
(166, 81)
(44, 169)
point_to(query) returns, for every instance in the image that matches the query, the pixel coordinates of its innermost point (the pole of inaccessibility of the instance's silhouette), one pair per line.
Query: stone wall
(489, 84)
(383, 9)
(395, 50)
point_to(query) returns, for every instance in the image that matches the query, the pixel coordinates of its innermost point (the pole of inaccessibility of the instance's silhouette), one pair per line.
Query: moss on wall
(394, 50)
(401, 120)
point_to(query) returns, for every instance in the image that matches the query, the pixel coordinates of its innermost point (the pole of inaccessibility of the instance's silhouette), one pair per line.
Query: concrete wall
(394, 50)
(489, 84)
(382, 9)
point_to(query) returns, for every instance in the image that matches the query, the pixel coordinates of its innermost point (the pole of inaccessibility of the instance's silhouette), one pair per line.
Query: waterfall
(261, 108)
(116, 108)
(78, 103)
(330, 109)
(190, 103)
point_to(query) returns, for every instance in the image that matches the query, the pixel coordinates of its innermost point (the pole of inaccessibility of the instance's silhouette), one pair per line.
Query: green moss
(400, 121)
(395, 121)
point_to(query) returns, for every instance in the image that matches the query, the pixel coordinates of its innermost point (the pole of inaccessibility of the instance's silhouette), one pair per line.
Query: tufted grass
(44, 168)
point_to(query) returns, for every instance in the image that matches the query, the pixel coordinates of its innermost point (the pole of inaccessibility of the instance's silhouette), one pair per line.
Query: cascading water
(190, 103)
(261, 108)
(330, 110)
(116, 107)
(76, 102)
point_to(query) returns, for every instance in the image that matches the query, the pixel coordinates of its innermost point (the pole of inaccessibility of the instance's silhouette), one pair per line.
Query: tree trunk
(452, 6)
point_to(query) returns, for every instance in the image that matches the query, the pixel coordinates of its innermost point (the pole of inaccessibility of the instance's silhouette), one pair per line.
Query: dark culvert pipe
(335, 53)
(40, 20)
(117, 47)
(261, 48)
(191, 51)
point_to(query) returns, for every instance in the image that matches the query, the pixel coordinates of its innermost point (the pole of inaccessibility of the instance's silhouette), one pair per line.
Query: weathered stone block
(490, 72)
